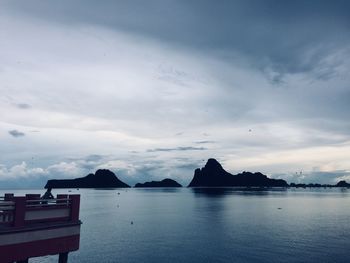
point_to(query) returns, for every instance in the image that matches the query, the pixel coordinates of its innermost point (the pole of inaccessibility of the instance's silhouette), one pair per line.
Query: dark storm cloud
(186, 148)
(279, 36)
(205, 142)
(23, 106)
(16, 133)
(202, 81)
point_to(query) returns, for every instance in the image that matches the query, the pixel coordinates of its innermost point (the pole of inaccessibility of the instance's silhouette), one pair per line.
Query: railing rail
(57, 202)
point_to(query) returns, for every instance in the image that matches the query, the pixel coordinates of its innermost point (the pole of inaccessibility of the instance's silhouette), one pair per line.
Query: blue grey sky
(152, 89)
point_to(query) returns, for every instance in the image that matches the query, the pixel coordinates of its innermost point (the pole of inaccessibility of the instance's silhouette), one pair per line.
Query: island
(164, 183)
(102, 178)
(315, 185)
(342, 184)
(213, 175)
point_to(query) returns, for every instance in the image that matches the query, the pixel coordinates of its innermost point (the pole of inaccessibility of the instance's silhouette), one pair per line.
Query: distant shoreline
(212, 175)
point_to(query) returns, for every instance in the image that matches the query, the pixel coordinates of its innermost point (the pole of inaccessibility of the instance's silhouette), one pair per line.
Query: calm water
(226, 225)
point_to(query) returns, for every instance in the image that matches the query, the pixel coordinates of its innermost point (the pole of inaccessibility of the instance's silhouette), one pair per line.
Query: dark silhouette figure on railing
(48, 195)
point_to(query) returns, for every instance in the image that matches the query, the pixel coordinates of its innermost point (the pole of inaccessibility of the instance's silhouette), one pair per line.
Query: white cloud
(64, 169)
(20, 171)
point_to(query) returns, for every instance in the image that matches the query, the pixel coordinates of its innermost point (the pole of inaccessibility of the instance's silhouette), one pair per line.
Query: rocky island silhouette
(213, 175)
(342, 184)
(164, 183)
(103, 178)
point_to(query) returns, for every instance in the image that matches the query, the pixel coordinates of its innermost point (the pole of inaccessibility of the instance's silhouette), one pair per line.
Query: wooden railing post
(63, 257)
(60, 197)
(20, 208)
(8, 196)
(33, 196)
(75, 205)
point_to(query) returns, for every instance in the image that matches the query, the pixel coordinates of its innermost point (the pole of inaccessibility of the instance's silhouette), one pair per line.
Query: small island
(164, 183)
(342, 184)
(213, 175)
(103, 178)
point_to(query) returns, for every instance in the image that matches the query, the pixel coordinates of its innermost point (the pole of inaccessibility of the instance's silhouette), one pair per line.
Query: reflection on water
(155, 190)
(223, 191)
(212, 225)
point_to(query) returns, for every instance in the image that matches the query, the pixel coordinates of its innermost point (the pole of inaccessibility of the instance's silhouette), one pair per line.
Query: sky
(152, 89)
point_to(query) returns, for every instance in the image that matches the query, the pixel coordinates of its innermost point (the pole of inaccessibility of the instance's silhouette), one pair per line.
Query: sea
(210, 225)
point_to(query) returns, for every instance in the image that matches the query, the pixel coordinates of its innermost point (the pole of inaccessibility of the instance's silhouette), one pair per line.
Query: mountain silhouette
(342, 184)
(164, 183)
(103, 178)
(213, 175)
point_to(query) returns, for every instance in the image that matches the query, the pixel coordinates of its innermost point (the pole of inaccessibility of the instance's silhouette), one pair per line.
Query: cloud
(21, 170)
(23, 106)
(167, 74)
(131, 172)
(279, 38)
(23, 176)
(204, 142)
(16, 133)
(186, 148)
(321, 177)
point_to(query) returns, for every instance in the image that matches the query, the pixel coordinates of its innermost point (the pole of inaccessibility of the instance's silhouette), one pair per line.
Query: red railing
(6, 212)
(19, 211)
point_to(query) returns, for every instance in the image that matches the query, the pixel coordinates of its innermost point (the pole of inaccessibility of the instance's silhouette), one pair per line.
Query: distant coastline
(211, 175)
